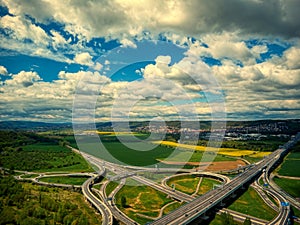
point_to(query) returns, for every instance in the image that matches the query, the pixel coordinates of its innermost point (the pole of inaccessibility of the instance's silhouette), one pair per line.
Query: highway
(107, 217)
(289, 198)
(198, 207)
(177, 195)
(116, 169)
(240, 217)
(220, 177)
(117, 213)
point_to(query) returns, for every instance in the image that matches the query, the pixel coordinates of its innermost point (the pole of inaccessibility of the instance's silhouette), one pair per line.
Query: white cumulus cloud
(83, 58)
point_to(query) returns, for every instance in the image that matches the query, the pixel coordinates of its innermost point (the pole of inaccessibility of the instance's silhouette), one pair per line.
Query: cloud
(24, 79)
(3, 70)
(193, 18)
(256, 81)
(292, 57)
(127, 43)
(84, 59)
(58, 40)
(98, 66)
(18, 28)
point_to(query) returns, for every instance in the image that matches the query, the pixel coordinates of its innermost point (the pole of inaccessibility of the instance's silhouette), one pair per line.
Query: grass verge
(250, 203)
(292, 187)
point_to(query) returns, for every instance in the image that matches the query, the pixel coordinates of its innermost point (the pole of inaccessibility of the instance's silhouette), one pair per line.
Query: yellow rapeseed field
(260, 154)
(110, 132)
(223, 151)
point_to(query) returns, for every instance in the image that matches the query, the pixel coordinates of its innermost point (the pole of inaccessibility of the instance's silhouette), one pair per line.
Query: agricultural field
(289, 185)
(115, 151)
(232, 152)
(197, 156)
(141, 202)
(291, 164)
(268, 145)
(44, 157)
(250, 203)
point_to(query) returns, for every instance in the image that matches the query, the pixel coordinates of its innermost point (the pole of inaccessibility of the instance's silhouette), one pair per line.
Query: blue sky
(149, 59)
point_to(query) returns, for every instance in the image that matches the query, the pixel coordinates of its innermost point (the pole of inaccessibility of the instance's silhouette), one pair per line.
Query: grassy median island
(207, 184)
(30, 175)
(250, 203)
(72, 180)
(184, 183)
(188, 184)
(25, 203)
(110, 187)
(141, 203)
(172, 206)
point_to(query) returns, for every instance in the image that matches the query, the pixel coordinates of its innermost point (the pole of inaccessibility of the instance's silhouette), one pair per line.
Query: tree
(247, 221)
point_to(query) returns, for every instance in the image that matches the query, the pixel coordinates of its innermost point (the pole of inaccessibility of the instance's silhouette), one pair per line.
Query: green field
(114, 151)
(250, 203)
(140, 200)
(290, 186)
(291, 165)
(197, 157)
(44, 157)
(74, 180)
(263, 145)
(125, 154)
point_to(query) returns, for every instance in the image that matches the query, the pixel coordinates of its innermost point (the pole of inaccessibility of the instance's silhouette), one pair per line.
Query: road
(177, 195)
(107, 217)
(240, 217)
(60, 185)
(291, 199)
(198, 207)
(117, 213)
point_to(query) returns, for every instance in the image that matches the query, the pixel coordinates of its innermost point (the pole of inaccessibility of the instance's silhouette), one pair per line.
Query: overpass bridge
(200, 206)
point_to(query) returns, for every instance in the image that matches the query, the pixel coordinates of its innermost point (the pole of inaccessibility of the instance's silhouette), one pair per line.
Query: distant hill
(290, 125)
(30, 125)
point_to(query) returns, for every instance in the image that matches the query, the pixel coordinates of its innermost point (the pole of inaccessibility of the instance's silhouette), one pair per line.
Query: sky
(149, 60)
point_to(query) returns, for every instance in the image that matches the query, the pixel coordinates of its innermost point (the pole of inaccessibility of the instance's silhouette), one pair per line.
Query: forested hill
(16, 139)
(30, 125)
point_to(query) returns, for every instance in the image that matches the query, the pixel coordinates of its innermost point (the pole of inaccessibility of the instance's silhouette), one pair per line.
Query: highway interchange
(196, 208)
